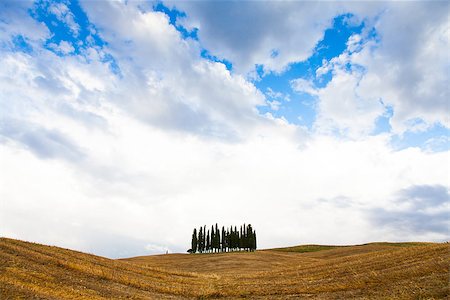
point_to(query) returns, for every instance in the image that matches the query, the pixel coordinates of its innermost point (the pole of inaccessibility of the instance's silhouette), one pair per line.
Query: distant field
(305, 248)
(315, 248)
(371, 271)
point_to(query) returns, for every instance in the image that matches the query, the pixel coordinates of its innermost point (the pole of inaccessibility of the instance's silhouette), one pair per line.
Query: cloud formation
(398, 61)
(173, 86)
(270, 34)
(394, 63)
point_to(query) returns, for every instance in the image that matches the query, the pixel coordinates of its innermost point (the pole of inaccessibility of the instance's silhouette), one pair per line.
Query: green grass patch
(305, 248)
(405, 244)
(315, 248)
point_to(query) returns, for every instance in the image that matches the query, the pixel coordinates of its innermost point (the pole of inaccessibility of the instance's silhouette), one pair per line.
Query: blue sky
(146, 107)
(301, 109)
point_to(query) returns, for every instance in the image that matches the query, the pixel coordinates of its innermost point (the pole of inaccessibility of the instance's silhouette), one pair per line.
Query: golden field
(372, 271)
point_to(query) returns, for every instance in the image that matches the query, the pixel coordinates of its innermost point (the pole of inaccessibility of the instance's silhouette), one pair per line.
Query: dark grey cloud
(418, 209)
(84, 117)
(45, 143)
(179, 116)
(51, 85)
(272, 33)
(423, 196)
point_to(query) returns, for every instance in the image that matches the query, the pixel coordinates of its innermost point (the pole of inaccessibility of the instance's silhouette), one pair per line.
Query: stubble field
(372, 271)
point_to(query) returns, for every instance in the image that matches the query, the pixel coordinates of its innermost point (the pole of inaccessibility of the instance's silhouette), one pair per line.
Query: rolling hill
(371, 271)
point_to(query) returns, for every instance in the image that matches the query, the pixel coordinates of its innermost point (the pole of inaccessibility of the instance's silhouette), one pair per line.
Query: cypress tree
(236, 238)
(240, 238)
(245, 238)
(194, 241)
(227, 240)
(250, 237)
(204, 238)
(217, 239)
(223, 244)
(200, 240)
(212, 237)
(208, 241)
(231, 238)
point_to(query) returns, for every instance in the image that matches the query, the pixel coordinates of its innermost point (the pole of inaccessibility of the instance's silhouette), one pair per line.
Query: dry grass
(372, 271)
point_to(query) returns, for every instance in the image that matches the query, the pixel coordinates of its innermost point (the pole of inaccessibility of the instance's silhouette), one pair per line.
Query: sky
(125, 124)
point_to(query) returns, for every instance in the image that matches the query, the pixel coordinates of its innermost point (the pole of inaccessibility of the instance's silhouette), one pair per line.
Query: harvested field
(372, 271)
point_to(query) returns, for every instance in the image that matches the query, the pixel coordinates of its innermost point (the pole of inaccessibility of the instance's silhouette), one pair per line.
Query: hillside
(374, 271)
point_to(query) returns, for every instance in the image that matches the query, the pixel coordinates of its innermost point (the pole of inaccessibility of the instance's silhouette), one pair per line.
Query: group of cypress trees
(223, 241)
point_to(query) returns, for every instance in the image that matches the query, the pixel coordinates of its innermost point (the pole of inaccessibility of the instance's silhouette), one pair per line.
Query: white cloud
(301, 85)
(272, 94)
(182, 90)
(64, 47)
(342, 106)
(274, 105)
(407, 69)
(154, 187)
(14, 21)
(277, 99)
(63, 13)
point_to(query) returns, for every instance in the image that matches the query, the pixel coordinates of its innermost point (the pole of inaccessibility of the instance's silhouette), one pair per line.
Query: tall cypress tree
(231, 238)
(204, 238)
(249, 237)
(236, 238)
(228, 240)
(240, 237)
(223, 244)
(236, 233)
(194, 241)
(217, 239)
(245, 239)
(200, 240)
(208, 242)
(213, 237)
